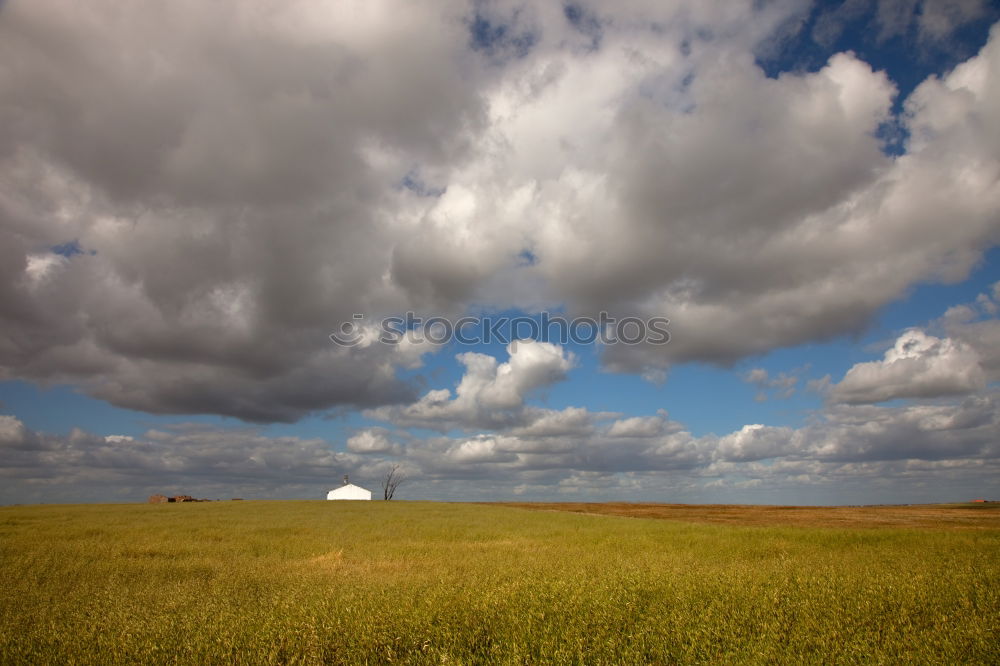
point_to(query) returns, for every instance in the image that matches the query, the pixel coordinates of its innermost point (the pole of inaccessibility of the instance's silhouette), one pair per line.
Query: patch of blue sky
(334, 427)
(498, 39)
(927, 302)
(59, 409)
(526, 258)
(691, 393)
(415, 183)
(67, 249)
(906, 59)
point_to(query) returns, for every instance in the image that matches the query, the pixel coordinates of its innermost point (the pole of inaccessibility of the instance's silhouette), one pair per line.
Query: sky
(209, 211)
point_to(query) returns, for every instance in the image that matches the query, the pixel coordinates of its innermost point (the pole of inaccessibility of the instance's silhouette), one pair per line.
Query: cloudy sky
(195, 195)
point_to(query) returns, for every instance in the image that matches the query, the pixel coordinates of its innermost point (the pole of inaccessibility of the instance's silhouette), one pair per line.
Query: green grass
(378, 582)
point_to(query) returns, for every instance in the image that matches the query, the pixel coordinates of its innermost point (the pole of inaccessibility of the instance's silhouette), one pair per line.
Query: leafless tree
(391, 481)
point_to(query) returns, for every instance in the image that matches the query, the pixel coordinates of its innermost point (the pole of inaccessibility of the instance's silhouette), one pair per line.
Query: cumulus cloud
(905, 451)
(963, 360)
(13, 433)
(977, 326)
(575, 421)
(491, 394)
(917, 366)
(846, 446)
(841, 248)
(638, 426)
(755, 442)
(370, 440)
(963, 429)
(938, 19)
(782, 385)
(227, 185)
(229, 177)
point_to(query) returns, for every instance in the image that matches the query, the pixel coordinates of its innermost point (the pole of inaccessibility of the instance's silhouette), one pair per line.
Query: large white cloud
(811, 263)
(370, 440)
(492, 394)
(964, 360)
(978, 326)
(917, 366)
(238, 181)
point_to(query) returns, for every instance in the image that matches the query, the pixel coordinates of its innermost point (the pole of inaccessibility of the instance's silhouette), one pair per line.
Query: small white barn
(349, 491)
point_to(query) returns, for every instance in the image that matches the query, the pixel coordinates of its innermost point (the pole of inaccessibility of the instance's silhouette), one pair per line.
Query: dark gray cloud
(228, 175)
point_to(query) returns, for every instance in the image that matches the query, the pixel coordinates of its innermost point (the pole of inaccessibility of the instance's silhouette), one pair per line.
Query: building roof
(349, 491)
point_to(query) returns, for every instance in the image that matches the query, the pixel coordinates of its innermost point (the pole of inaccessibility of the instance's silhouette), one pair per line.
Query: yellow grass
(419, 582)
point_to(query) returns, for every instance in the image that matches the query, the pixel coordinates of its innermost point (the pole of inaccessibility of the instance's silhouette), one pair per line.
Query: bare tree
(391, 481)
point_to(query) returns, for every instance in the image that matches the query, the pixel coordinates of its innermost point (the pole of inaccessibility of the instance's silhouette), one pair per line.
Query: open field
(416, 582)
(936, 516)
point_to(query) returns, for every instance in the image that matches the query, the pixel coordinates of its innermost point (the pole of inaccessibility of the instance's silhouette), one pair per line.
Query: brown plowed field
(965, 516)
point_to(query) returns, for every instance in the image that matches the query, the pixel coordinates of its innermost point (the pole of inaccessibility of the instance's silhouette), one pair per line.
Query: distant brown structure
(163, 499)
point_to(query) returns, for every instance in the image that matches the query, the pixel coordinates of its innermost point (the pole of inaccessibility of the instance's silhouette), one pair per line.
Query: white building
(349, 491)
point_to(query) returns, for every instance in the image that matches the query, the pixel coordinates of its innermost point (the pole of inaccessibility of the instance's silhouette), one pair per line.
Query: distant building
(163, 499)
(349, 491)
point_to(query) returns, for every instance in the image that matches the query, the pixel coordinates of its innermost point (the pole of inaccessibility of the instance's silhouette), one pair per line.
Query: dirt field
(960, 516)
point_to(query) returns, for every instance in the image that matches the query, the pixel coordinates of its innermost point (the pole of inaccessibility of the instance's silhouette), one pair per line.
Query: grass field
(937, 516)
(413, 582)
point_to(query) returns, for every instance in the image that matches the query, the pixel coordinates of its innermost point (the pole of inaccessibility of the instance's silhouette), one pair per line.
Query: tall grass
(379, 582)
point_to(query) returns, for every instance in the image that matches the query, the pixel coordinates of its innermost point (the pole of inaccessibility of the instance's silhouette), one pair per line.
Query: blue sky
(807, 191)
